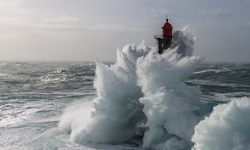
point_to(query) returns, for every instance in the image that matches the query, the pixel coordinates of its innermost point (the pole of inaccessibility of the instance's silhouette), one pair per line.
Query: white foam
(213, 70)
(117, 107)
(144, 95)
(169, 104)
(76, 113)
(227, 128)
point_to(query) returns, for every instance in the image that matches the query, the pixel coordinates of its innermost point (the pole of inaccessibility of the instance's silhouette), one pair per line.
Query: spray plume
(143, 97)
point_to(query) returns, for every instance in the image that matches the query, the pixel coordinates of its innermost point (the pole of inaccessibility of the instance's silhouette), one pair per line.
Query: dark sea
(33, 96)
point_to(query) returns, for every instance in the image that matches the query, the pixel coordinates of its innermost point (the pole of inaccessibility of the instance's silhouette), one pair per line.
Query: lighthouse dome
(167, 25)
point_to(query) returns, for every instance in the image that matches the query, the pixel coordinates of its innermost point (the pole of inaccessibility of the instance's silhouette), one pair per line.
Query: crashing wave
(143, 99)
(226, 128)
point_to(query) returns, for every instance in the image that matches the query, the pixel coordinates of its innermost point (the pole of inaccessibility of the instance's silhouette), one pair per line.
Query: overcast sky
(81, 30)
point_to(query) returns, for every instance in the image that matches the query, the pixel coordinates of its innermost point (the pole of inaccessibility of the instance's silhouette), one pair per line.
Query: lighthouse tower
(164, 40)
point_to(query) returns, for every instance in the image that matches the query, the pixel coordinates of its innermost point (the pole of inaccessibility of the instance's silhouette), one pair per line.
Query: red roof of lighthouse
(167, 25)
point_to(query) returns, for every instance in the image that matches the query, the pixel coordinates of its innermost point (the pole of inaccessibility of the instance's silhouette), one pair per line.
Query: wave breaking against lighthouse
(143, 101)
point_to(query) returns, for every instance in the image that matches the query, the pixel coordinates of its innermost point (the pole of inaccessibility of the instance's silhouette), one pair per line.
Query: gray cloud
(83, 30)
(154, 12)
(63, 18)
(248, 1)
(20, 22)
(247, 25)
(223, 12)
(8, 3)
(114, 27)
(220, 12)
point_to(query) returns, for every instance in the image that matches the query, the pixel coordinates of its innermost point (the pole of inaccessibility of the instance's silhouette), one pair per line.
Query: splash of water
(169, 104)
(144, 96)
(226, 128)
(117, 112)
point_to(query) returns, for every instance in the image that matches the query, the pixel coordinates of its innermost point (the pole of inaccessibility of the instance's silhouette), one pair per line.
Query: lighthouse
(164, 41)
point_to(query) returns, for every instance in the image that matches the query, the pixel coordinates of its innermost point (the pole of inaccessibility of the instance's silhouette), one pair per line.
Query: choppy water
(222, 81)
(33, 96)
(141, 102)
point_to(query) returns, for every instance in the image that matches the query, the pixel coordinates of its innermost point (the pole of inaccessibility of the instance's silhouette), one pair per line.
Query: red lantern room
(167, 29)
(164, 41)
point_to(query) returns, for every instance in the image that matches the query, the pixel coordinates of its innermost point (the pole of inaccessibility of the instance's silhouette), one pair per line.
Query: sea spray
(184, 39)
(227, 128)
(169, 104)
(76, 113)
(143, 95)
(118, 114)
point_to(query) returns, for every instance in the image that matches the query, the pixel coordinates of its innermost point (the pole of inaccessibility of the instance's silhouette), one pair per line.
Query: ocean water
(141, 101)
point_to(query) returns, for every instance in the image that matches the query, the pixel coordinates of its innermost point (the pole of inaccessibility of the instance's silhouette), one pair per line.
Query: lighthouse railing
(157, 36)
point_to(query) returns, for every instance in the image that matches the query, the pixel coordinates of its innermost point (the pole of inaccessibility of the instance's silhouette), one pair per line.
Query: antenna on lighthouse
(167, 17)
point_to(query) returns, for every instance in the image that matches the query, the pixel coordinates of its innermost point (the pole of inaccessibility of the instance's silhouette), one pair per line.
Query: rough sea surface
(142, 101)
(33, 96)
